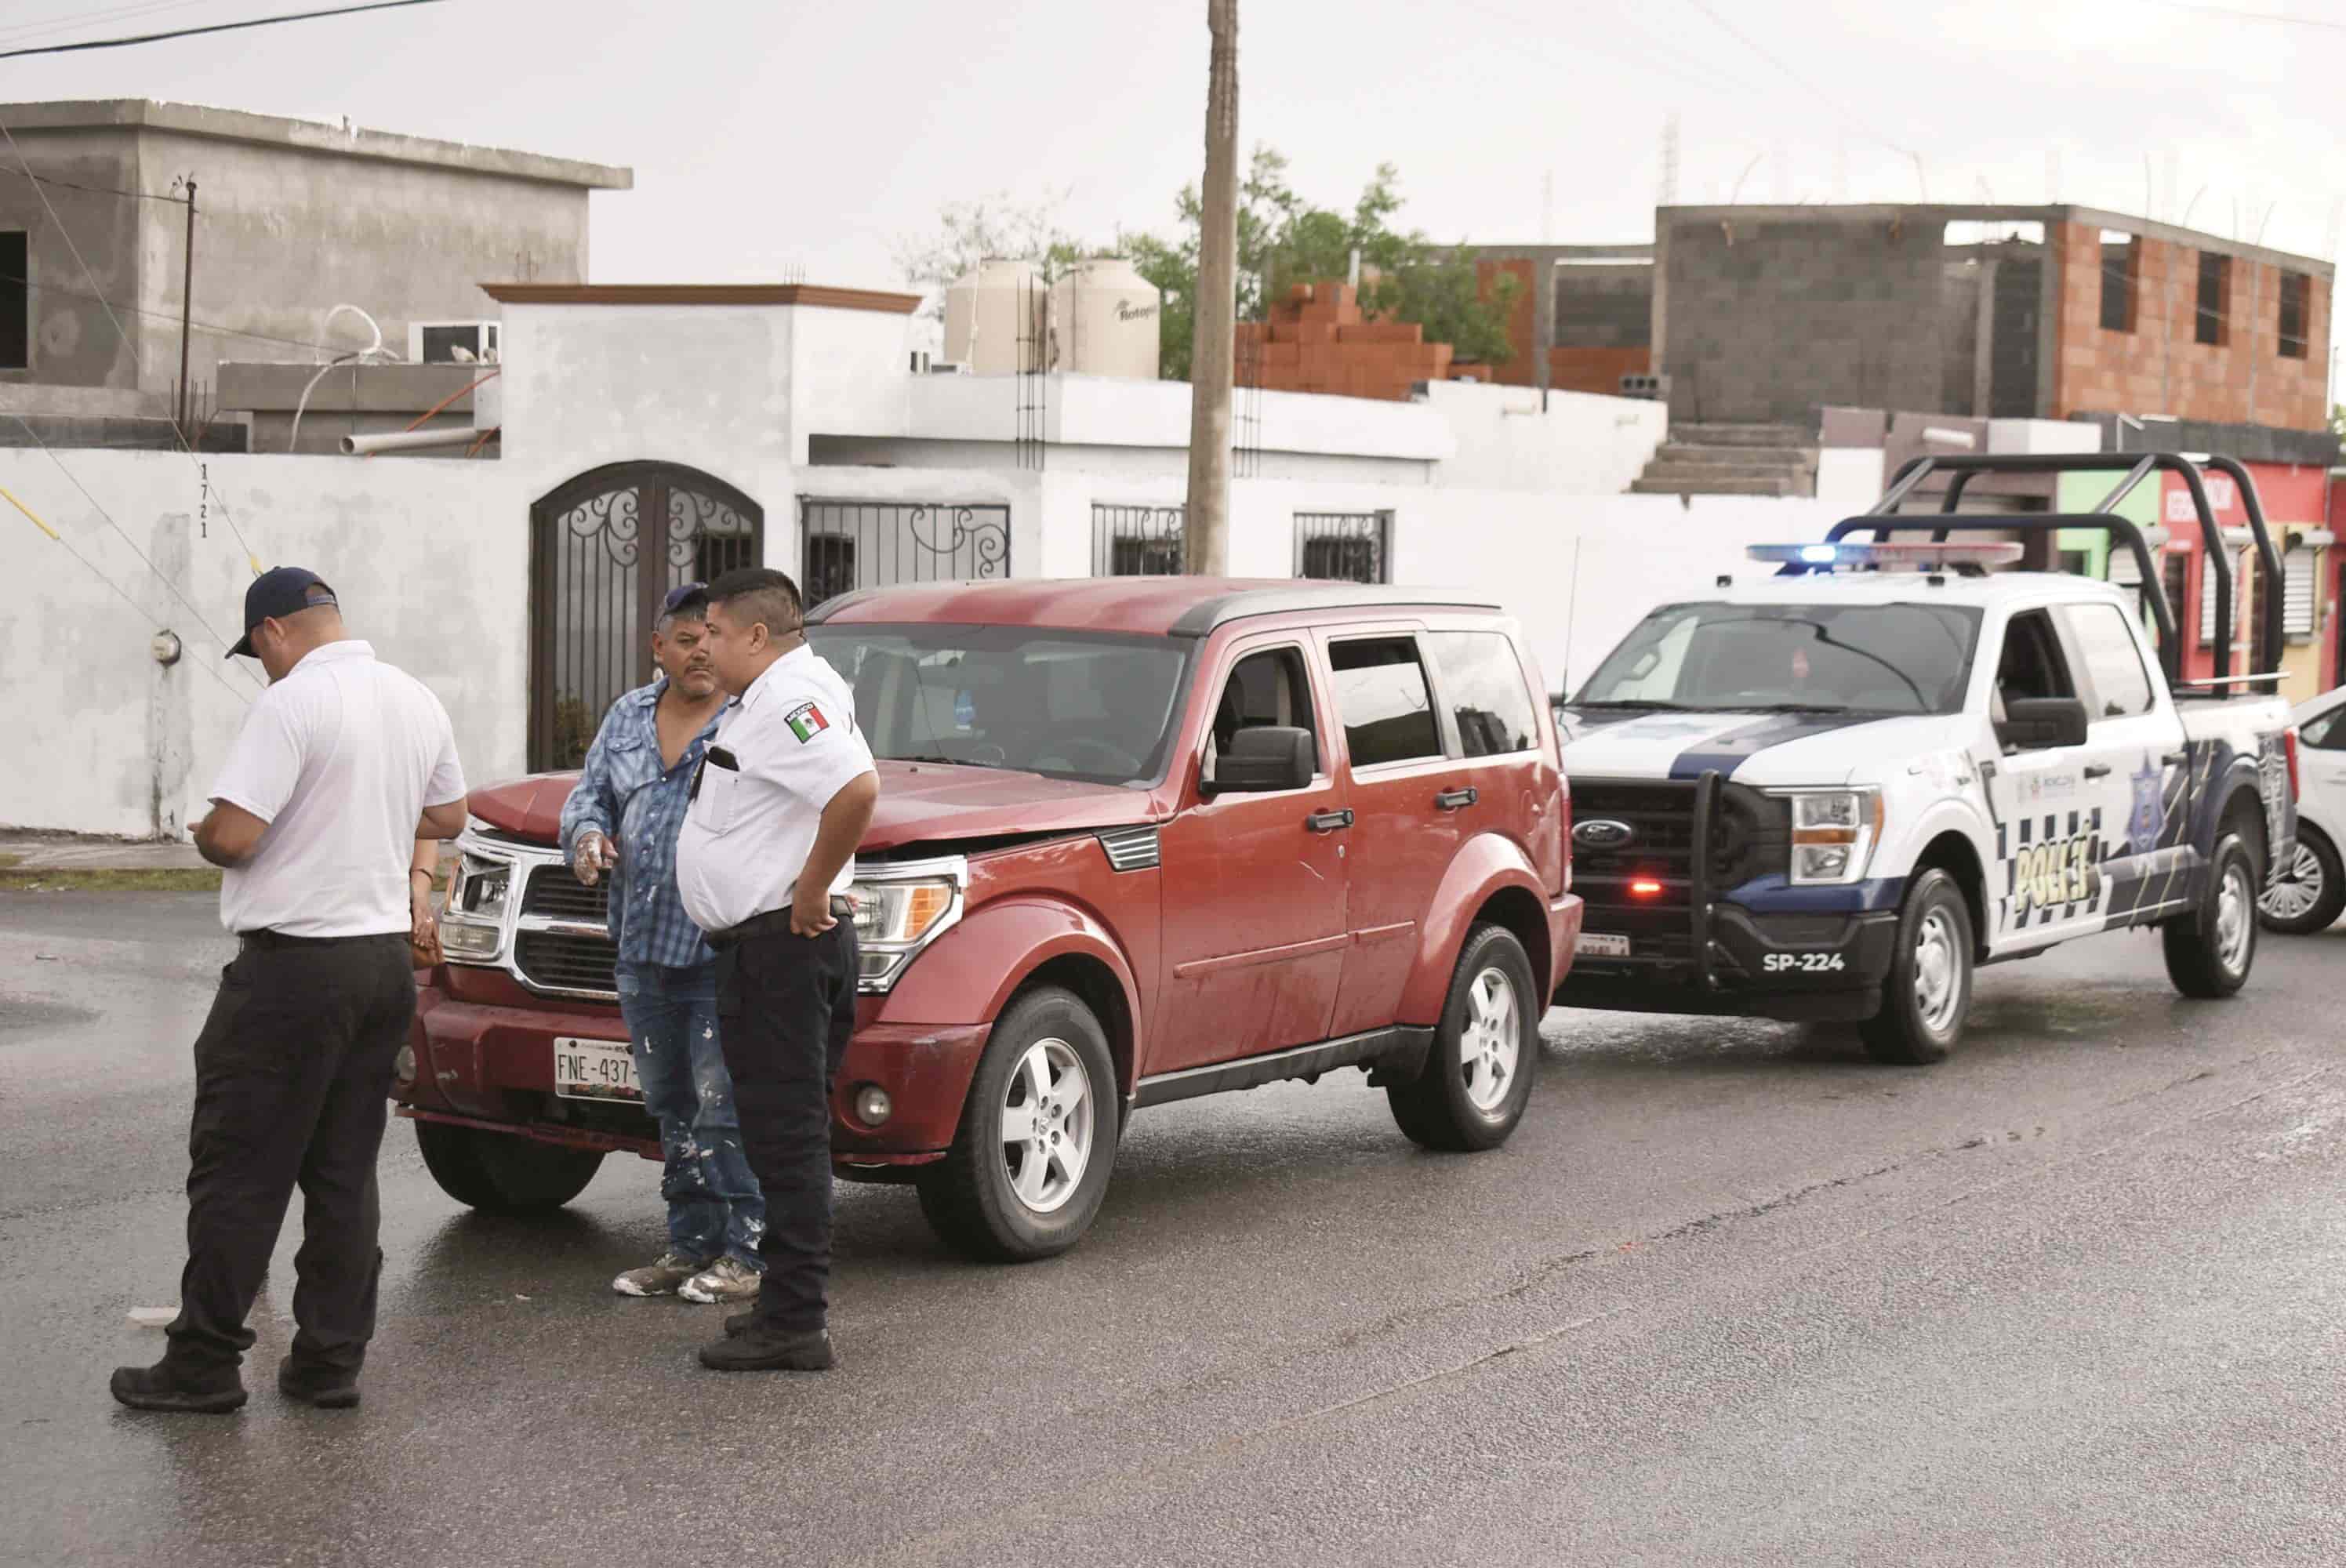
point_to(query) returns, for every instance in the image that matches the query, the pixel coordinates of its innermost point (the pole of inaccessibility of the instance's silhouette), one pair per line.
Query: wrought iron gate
(597, 580)
(876, 543)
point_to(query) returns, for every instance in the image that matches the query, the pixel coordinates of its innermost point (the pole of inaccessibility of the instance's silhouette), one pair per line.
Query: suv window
(1382, 698)
(2325, 731)
(2112, 662)
(1269, 687)
(2032, 665)
(1482, 682)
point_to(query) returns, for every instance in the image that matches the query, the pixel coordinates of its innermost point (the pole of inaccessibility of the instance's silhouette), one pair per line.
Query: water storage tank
(1103, 320)
(982, 324)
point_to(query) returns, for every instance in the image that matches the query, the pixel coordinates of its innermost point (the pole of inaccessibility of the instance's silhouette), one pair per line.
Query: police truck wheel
(1030, 1163)
(1478, 1072)
(2209, 952)
(2311, 891)
(1928, 994)
(504, 1173)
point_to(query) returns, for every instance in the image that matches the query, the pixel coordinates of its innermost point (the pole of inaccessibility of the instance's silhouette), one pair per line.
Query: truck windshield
(1874, 658)
(1068, 705)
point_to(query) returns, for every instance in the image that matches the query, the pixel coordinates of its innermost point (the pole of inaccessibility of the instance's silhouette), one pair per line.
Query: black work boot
(759, 1348)
(163, 1387)
(327, 1388)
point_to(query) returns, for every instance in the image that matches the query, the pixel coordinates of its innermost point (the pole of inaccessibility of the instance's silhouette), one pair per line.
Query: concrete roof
(309, 136)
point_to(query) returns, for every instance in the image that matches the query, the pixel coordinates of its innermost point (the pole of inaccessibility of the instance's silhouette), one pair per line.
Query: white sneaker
(726, 1280)
(659, 1278)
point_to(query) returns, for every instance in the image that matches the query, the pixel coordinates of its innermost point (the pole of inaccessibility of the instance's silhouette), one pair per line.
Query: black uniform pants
(294, 1074)
(786, 1007)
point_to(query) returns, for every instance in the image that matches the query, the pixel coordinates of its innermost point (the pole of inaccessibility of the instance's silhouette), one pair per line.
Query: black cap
(285, 591)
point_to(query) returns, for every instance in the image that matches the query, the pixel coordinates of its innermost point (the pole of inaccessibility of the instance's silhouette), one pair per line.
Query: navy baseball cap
(689, 594)
(281, 592)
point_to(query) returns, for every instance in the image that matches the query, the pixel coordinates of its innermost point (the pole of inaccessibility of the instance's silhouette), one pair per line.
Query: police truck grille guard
(1689, 837)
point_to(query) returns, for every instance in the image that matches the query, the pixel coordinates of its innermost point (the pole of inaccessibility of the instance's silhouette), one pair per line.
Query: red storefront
(2298, 507)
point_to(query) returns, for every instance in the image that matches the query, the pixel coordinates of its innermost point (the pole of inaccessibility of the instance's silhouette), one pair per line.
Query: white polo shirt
(746, 835)
(340, 758)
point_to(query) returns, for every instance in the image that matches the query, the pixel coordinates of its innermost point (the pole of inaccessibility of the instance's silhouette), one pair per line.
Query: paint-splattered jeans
(714, 1207)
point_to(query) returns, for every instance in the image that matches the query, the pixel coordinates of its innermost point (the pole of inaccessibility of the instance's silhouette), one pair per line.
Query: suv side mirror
(1264, 759)
(2034, 723)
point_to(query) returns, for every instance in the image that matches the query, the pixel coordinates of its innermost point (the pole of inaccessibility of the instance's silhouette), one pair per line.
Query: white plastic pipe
(408, 441)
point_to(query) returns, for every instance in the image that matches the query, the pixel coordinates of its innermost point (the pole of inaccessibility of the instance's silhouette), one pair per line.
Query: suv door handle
(2175, 759)
(1452, 799)
(1329, 821)
(2098, 770)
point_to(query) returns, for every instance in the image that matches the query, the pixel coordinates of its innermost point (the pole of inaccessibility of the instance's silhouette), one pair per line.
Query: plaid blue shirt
(624, 783)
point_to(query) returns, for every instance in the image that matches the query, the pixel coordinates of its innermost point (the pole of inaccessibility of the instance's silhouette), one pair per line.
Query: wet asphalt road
(1731, 1295)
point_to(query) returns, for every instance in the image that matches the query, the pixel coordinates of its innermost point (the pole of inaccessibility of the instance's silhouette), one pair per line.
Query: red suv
(1138, 839)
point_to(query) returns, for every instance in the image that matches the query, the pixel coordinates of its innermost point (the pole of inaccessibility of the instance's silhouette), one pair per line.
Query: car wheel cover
(2234, 902)
(1938, 971)
(1490, 1046)
(1048, 1123)
(2299, 888)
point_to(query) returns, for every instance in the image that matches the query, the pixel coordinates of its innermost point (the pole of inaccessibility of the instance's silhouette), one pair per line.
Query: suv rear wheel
(504, 1173)
(1030, 1164)
(1478, 1072)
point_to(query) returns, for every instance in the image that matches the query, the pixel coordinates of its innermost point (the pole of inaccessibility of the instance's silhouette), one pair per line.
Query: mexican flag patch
(806, 721)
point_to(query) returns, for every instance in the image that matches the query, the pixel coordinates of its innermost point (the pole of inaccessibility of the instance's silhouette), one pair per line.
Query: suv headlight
(1833, 834)
(473, 920)
(897, 916)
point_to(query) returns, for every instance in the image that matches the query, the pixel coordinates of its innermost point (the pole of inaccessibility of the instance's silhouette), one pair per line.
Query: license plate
(594, 1070)
(1604, 944)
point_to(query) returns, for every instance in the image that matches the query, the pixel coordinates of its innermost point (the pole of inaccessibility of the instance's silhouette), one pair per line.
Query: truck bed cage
(1885, 519)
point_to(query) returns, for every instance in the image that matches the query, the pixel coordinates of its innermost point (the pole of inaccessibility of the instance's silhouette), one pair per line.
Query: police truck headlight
(1833, 834)
(897, 916)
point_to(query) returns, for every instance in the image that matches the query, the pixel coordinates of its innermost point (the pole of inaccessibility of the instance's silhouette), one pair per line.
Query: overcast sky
(766, 133)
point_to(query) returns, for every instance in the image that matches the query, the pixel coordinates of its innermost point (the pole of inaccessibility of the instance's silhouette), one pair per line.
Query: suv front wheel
(1477, 1076)
(1029, 1165)
(504, 1173)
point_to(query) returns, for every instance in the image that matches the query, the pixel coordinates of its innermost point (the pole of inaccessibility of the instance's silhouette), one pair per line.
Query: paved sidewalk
(71, 852)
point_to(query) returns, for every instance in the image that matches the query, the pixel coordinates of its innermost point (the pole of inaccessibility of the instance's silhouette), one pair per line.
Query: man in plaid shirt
(623, 816)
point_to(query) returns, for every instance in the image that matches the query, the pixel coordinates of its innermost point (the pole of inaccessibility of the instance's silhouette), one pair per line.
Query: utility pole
(187, 301)
(1206, 542)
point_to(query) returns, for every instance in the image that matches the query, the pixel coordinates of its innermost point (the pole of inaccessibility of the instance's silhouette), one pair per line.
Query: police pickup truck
(1832, 792)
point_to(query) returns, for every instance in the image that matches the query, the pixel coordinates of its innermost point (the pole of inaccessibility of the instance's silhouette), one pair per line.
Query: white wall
(1583, 444)
(109, 741)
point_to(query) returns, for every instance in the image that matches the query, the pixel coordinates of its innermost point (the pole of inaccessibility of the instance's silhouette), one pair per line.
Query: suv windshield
(1876, 658)
(1068, 705)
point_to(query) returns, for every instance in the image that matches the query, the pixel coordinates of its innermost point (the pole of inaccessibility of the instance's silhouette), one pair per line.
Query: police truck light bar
(1916, 556)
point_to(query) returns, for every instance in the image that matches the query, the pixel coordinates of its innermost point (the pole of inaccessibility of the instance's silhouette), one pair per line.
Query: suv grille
(564, 960)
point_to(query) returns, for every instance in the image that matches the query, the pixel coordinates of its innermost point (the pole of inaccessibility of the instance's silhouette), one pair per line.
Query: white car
(2309, 888)
(1831, 794)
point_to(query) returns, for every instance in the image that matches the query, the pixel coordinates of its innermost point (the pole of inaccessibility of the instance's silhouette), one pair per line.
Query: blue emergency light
(1936, 556)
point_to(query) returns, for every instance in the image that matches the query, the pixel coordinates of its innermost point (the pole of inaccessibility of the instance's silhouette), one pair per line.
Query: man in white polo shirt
(768, 849)
(339, 766)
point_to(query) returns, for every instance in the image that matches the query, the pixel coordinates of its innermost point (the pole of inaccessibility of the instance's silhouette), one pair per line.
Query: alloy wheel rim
(2299, 890)
(1937, 977)
(2233, 903)
(1490, 1048)
(1047, 1126)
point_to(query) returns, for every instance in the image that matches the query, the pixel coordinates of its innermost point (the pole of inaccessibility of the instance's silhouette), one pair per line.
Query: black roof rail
(2135, 466)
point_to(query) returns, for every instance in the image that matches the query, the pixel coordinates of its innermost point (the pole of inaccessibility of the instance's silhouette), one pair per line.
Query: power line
(1740, 37)
(119, 591)
(46, 25)
(215, 27)
(102, 512)
(204, 327)
(95, 190)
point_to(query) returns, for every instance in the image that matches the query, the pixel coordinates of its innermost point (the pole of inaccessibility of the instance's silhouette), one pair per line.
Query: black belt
(774, 922)
(271, 940)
